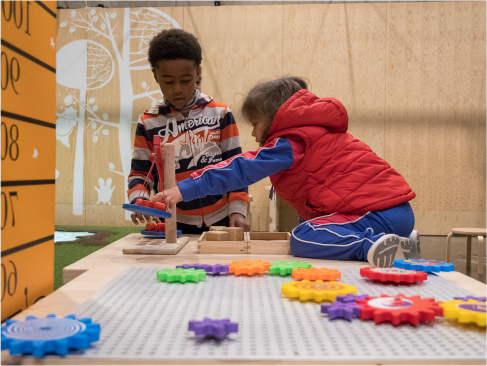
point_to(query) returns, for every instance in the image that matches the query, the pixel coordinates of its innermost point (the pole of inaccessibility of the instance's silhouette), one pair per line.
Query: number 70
(5, 208)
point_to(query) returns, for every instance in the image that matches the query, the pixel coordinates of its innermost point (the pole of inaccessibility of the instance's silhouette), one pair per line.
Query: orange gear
(313, 274)
(247, 267)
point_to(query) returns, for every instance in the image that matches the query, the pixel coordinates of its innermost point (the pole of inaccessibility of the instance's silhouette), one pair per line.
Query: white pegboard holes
(143, 318)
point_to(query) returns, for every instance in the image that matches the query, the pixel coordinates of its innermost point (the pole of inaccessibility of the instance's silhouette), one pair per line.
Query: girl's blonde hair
(265, 99)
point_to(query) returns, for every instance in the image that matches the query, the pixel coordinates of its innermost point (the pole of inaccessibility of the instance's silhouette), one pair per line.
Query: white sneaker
(389, 247)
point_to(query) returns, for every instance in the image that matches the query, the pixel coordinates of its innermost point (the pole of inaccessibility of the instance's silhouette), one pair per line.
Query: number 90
(11, 72)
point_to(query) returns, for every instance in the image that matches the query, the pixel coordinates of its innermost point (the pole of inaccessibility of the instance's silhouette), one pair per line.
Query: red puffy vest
(333, 172)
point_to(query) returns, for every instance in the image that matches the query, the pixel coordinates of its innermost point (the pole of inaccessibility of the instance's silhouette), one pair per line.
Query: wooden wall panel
(435, 109)
(241, 45)
(340, 49)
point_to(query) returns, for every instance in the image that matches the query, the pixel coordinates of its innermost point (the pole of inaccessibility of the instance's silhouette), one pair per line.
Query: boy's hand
(170, 197)
(237, 220)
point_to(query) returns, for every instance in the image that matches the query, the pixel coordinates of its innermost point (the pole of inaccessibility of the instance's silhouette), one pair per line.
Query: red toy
(393, 274)
(400, 309)
(160, 227)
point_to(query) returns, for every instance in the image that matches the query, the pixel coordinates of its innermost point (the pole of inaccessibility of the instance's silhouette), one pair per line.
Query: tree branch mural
(86, 65)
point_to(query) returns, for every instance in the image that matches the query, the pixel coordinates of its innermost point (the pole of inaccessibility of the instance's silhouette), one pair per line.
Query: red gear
(393, 274)
(410, 310)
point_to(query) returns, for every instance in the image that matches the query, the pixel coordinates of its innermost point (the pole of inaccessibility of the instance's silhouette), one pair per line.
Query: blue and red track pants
(349, 237)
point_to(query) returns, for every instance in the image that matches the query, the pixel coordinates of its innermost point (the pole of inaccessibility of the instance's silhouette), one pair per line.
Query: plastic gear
(284, 268)
(341, 310)
(39, 336)
(396, 275)
(400, 309)
(215, 328)
(316, 290)
(208, 268)
(181, 275)
(312, 273)
(352, 298)
(470, 311)
(424, 265)
(247, 267)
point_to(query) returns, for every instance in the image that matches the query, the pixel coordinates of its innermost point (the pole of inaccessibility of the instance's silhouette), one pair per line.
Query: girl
(352, 204)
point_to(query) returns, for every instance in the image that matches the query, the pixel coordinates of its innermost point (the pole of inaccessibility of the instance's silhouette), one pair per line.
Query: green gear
(181, 275)
(284, 268)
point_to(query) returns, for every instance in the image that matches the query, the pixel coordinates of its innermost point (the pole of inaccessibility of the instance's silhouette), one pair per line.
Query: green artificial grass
(66, 254)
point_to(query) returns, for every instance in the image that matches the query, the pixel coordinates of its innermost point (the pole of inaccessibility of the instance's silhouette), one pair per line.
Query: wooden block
(235, 233)
(217, 236)
(156, 246)
(206, 246)
(269, 243)
(217, 228)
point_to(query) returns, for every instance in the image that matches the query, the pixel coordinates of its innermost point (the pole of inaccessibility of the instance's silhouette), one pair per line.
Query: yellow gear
(316, 290)
(470, 311)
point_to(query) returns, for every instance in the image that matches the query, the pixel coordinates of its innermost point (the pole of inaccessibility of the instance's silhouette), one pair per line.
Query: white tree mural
(138, 26)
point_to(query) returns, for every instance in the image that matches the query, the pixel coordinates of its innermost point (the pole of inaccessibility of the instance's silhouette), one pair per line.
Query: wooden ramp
(154, 245)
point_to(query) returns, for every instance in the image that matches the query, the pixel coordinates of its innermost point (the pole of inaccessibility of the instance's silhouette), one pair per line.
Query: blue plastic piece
(146, 211)
(158, 233)
(424, 265)
(38, 336)
(209, 268)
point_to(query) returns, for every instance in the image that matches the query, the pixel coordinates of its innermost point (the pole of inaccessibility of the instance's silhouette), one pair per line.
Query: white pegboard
(143, 318)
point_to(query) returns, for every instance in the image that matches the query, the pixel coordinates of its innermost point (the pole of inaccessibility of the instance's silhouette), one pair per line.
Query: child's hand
(170, 197)
(137, 216)
(237, 220)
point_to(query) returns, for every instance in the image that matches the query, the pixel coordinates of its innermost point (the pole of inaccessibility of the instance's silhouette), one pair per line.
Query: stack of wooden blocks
(232, 240)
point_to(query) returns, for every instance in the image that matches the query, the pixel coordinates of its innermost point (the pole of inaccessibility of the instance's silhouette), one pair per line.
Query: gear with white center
(396, 275)
(38, 336)
(470, 311)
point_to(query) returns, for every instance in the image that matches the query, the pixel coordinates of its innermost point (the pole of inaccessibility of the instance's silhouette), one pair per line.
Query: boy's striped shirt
(207, 136)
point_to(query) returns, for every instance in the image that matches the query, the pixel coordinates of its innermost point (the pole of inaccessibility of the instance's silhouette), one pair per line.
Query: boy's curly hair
(265, 99)
(174, 44)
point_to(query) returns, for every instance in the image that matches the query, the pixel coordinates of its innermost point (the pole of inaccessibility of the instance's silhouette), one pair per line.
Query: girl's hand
(170, 197)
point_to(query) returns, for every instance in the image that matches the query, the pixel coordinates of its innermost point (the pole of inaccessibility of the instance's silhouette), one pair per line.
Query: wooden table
(85, 277)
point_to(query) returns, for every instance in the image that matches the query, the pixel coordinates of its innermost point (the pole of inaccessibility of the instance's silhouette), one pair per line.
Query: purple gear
(479, 299)
(351, 298)
(209, 268)
(215, 328)
(341, 310)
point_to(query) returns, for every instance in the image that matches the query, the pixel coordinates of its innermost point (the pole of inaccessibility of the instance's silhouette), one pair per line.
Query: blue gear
(424, 265)
(39, 336)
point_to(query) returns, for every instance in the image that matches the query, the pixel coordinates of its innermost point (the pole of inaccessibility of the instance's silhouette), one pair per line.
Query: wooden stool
(479, 233)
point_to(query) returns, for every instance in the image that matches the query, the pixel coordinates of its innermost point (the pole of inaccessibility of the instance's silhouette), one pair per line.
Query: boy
(203, 131)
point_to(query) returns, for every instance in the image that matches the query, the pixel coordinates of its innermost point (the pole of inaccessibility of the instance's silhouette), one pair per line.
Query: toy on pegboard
(470, 311)
(314, 274)
(396, 275)
(476, 298)
(248, 268)
(344, 310)
(39, 336)
(181, 275)
(208, 268)
(214, 328)
(399, 309)
(316, 290)
(424, 265)
(284, 268)
(153, 229)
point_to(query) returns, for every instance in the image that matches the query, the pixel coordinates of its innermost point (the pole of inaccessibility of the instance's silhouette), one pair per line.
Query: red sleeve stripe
(142, 142)
(138, 187)
(135, 173)
(212, 104)
(238, 196)
(229, 131)
(248, 155)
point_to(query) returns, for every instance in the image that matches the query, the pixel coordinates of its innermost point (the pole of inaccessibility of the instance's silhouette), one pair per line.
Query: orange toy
(161, 227)
(159, 206)
(247, 267)
(145, 203)
(314, 274)
(151, 227)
